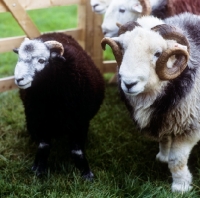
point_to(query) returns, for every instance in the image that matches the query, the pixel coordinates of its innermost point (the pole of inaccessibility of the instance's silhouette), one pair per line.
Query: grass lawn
(122, 160)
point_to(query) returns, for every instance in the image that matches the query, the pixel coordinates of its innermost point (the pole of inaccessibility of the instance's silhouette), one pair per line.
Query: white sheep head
(147, 57)
(34, 55)
(122, 11)
(99, 6)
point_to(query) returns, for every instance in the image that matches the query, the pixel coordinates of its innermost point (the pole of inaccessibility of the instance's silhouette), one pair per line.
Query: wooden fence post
(93, 36)
(22, 18)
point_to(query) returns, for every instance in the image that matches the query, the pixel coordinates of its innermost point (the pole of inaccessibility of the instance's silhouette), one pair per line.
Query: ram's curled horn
(146, 7)
(55, 44)
(115, 48)
(181, 54)
(180, 64)
(129, 26)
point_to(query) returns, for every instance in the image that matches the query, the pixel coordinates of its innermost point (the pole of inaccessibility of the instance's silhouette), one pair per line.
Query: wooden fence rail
(88, 32)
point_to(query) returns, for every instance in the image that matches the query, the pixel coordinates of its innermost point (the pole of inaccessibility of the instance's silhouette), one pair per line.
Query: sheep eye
(121, 10)
(41, 61)
(157, 54)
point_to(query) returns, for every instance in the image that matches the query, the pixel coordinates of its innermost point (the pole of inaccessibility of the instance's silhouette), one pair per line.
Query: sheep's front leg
(164, 149)
(77, 139)
(40, 163)
(80, 161)
(178, 158)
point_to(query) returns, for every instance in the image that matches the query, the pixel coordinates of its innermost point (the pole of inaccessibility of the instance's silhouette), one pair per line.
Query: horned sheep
(61, 90)
(122, 11)
(159, 77)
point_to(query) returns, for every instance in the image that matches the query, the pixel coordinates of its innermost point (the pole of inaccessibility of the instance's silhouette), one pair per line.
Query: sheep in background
(122, 11)
(100, 6)
(174, 7)
(159, 77)
(61, 90)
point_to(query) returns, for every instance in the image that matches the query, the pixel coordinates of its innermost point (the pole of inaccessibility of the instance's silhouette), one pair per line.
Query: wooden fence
(88, 32)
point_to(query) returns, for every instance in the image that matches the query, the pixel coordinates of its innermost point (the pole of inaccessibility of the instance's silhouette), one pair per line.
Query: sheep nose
(104, 33)
(130, 85)
(19, 79)
(95, 5)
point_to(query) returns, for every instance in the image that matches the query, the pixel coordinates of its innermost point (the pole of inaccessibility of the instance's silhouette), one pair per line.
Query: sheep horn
(180, 64)
(115, 48)
(118, 25)
(171, 33)
(146, 7)
(55, 44)
(129, 26)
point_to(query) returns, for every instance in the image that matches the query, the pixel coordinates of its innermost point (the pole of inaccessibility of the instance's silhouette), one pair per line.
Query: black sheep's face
(33, 56)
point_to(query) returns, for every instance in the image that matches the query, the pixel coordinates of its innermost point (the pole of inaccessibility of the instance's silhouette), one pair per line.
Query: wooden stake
(7, 84)
(22, 18)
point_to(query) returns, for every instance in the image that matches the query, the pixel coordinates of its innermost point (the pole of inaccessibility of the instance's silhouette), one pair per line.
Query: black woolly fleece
(65, 95)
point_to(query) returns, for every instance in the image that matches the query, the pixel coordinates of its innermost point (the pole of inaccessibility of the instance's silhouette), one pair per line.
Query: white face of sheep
(120, 11)
(33, 56)
(142, 49)
(99, 6)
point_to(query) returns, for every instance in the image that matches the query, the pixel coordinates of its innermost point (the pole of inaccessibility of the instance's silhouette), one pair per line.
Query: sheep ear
(57, 56)
(16, 50)
(184, 47)
(26, 39)
(172, 45)
(116, 39)
(137, 8)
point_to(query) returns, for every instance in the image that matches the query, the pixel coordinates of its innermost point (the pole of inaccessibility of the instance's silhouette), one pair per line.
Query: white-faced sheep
(61, 90)
(100, 6)
(123, 11)
(159, 78)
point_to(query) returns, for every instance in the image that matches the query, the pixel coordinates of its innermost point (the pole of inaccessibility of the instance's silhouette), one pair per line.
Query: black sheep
(61, 90)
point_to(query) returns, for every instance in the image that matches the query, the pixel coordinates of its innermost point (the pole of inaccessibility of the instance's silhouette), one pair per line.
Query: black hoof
(89, 176)
(39, 170)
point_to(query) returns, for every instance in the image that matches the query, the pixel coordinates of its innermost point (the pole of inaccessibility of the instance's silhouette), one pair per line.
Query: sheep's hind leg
(40, 163)
(164, 149)
(178, 158)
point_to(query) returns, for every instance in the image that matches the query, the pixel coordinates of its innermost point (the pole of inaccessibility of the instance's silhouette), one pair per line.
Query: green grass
(122, 160)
